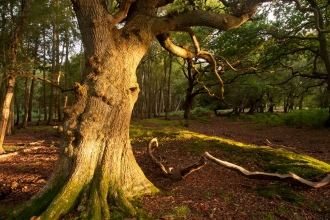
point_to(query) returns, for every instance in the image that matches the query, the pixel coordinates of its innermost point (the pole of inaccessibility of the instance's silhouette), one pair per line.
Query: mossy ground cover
(210, 187)
(289, 198)
(263, 157)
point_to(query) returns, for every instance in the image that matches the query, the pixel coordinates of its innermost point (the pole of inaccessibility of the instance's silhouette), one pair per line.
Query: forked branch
(185, 53)
(292, 178)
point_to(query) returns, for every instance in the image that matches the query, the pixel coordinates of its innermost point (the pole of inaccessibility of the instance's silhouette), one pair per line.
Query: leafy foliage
(311, 118)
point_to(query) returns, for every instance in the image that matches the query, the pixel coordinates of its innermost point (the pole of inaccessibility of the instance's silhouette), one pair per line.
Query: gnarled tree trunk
(96, 164)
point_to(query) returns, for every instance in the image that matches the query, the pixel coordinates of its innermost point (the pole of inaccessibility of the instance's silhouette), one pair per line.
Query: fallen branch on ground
(26, 150)
(292, 178)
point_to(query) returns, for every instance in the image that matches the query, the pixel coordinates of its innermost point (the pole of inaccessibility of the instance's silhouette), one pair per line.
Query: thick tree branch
(121, 14)
(162, 3)
(165, 42)
(293, 178)
(225, 22)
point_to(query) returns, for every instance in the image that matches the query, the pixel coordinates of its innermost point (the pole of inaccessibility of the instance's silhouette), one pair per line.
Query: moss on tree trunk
(96, 168)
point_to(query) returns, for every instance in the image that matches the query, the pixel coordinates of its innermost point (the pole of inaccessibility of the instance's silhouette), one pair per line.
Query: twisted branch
(168, 171)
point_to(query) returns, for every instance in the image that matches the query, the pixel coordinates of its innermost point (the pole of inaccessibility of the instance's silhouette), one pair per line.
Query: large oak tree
(96, 168)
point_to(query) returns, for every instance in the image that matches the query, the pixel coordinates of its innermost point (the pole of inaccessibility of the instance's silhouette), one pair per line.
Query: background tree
(299, 31)
(10, 72)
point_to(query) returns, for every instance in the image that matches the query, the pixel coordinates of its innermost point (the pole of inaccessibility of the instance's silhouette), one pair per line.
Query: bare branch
(26, 74)
(239, 75)
(289, 37)
(309, 87)
(293, 178)
(192, 37)
(168, 171)
(316, 16)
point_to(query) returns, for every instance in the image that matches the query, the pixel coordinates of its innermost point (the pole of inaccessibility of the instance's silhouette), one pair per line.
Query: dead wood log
(292, 178)
(19, 152)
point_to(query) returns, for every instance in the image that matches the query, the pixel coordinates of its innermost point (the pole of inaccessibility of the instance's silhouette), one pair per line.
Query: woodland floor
(212, 192)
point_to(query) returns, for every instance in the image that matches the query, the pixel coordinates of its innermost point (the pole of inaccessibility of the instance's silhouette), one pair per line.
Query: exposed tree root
(292, 178)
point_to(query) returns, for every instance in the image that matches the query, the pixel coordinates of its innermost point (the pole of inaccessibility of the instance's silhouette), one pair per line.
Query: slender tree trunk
(44, 75)
(26, 103)
(188, 106)
(161, 97)
(36, 46)
(18, 109)
(11, 74)
(189, 91)
(322, 38)
(155, 98)
(11, 123)
(2, 90)
(31, 98)
(59, 105)
(168, 101)
(52, 98)
(149, 89)
(6, 110)
(327, 122)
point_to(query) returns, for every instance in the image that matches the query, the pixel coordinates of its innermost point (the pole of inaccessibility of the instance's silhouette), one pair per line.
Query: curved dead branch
(168, 172)
(292, 178)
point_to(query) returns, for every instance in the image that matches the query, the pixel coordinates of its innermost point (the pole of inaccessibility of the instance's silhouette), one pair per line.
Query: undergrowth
(311, 118)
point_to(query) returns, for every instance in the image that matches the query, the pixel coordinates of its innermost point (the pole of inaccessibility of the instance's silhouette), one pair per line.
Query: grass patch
(5, 211)
(12, 148)
(281, 192)
(181, 212)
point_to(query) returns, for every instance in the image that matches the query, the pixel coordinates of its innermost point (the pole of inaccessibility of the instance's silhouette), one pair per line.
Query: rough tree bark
(189, 91)
(96, 167)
